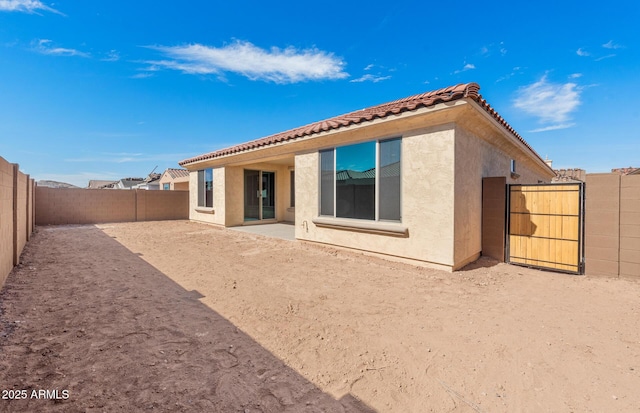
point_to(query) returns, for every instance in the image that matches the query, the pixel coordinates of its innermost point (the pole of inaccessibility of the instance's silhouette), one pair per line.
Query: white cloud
(553, 127)
(492, 49)
(143, 75)
(276, 65)
(126, 157)
(582, 53)
(605, 57)
(112, 56)
(44, 46)
(80, 179)
(611, 45)
(517, 70)
(25, 6)
(467, 66)
(370, 78)
(549, 102)
(369, 67)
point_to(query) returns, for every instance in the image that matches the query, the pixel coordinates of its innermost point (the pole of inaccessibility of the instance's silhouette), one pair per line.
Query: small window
(166, 186)
(513, 166)
(205, 188)
(292, 194)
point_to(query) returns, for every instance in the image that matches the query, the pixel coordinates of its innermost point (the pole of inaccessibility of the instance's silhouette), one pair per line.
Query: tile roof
(448, 94)
(177, 173)
(626, 171)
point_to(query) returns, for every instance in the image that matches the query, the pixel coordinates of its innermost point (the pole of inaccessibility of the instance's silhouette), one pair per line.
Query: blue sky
(111, 89)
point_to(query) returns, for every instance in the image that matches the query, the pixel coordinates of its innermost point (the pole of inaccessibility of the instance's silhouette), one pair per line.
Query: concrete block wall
(59, 206)
(16, 215)
(602, 224)
(612, 225)
(630, 225)
(163, 205)
(6, 219)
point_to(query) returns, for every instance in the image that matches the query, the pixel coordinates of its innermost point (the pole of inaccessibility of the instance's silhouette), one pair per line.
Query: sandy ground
(180, 316)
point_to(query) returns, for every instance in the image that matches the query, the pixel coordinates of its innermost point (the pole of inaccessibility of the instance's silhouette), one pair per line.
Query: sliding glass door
(259, 195)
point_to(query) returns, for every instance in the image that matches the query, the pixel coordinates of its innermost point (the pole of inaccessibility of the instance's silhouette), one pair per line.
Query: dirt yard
(179, 316)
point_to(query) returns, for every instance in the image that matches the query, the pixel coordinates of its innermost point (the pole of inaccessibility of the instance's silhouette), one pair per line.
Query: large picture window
(205, 188)
(361, 181)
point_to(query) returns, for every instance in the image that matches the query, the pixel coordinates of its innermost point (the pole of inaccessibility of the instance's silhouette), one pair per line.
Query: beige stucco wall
(476, 158)
(215, 215)
(427, 201)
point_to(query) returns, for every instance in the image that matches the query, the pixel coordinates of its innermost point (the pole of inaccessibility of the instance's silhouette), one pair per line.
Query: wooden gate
(545, 225)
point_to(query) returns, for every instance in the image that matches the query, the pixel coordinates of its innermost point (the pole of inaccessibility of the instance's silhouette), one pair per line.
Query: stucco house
(174, 179)
(403, 179)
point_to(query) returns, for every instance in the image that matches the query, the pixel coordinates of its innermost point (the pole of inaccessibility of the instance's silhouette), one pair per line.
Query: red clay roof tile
(448, 94)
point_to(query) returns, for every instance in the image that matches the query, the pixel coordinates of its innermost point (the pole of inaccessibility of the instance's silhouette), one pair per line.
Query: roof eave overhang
(410, 120)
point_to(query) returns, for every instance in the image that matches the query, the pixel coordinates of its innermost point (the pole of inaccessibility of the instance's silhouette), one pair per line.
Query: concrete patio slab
(282, 230)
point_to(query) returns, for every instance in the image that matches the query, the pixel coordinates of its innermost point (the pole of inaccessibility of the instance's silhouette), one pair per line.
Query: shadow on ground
(84, 314)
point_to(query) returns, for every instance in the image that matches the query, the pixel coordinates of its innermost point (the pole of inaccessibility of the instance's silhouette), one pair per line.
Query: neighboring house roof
(569, 175)
(129, 182)
(152, 178)
(99, 184)
(55, 184)
(626, 171)
(411, 103)
(177, 173)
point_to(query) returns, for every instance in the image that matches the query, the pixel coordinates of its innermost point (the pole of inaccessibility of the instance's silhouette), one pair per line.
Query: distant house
(100, 184)
(54, 184)
(570, 175)
(402, 179)
(127, 183)
(175, 180)
(626, 171)
(151, 182)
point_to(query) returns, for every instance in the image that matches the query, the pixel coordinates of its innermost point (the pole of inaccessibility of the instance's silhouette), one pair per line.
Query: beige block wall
(180, 186)
(630, 226)
(21, 216)
(602, 224)
(6, 219)
(475, 159)
(59, 206)
(16, 219)
(427, 201)
(162, 206)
